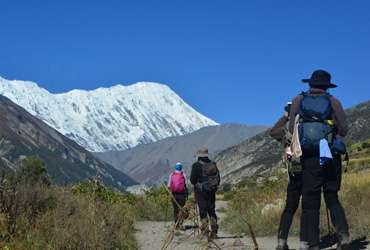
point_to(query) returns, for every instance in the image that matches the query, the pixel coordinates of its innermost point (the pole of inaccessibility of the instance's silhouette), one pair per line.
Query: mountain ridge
(23, 135)
(151, 163)
(260, 154)
(114, 118)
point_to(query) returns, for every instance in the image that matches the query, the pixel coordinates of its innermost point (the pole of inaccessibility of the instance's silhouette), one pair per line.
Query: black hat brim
(331, 85)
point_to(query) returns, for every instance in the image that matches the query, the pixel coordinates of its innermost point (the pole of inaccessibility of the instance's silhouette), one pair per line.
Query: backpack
(210, 176)
(177, 184)
(315, 121)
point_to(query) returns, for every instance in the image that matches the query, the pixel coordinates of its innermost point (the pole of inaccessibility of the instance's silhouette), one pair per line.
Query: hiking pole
(166, 213)
(197, 224)
(251, 232)
(250, 229)
(330, 231)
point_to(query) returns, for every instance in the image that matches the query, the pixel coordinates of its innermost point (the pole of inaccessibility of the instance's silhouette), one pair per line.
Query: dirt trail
(150, 236)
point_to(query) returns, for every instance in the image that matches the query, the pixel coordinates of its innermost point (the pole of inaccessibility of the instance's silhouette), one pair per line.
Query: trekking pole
(166, 213)
(196, 213)
(253, 236)
(330, 231)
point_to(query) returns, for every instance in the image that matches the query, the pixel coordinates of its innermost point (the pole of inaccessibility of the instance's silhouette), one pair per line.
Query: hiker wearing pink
(177, 185)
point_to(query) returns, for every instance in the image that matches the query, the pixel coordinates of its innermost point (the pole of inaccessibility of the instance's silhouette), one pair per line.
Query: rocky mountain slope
(22, 134)
(151, 163)
(115, 118)
(259, 154)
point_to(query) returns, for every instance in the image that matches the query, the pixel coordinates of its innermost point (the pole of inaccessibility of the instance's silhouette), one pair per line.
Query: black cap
(320, 78)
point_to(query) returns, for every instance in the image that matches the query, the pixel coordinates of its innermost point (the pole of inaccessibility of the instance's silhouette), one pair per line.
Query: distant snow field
(115, 118)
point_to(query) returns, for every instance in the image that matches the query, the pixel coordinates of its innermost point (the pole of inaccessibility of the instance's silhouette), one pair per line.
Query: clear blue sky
(234, 61)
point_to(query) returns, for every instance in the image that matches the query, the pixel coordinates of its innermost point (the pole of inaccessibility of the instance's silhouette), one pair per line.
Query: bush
(365, 145)
(36, 215)
(22, 199)
(95, 190)
(154, 205)
(32, 170)
(78, 223)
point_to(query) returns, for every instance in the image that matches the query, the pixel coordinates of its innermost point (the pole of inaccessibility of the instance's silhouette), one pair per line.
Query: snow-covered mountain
(115, 118)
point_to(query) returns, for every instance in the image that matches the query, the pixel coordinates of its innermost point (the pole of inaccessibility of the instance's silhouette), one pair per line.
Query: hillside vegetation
(260, 154)
(34, 214)
(260, 200)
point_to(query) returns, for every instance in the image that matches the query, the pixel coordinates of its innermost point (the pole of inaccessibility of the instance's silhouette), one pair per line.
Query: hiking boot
(213, 235)
(214, 225)
(306, 246)
(343, 244)
(282, 247)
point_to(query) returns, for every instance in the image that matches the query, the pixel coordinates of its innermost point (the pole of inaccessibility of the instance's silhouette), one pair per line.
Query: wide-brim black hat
(320, 78)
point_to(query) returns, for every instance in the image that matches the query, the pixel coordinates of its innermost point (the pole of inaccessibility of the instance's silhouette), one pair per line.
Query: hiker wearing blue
(294, 190)
(322, 122)
(177, 185)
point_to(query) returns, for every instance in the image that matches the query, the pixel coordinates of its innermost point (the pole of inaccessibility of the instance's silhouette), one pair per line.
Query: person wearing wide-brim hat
(315, 107)
(320, 79)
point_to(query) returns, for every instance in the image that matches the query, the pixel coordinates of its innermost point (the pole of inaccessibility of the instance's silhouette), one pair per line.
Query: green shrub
(95, 190)
(154, 205)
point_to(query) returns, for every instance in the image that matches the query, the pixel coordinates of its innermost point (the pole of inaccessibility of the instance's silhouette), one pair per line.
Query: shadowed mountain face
(152, 163)
(261, 153)
(21, 134)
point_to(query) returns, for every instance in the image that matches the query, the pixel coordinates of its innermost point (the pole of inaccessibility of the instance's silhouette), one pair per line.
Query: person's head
(320, 79)
(287, 107)
(202, 153)
(178, 166)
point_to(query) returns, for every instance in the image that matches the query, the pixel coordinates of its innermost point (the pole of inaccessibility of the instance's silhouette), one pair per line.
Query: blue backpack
(316, 121)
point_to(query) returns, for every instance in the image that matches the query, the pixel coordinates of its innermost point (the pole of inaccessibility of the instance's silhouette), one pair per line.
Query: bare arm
(277, 131)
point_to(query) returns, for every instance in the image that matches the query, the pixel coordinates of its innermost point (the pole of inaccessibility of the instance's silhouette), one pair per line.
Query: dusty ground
(151, 235)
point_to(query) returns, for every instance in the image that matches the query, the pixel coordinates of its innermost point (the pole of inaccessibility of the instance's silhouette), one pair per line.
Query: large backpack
(177, 182)
(315, 121)
(211, 177)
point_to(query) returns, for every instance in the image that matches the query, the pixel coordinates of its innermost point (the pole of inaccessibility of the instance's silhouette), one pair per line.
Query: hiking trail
(151, 235)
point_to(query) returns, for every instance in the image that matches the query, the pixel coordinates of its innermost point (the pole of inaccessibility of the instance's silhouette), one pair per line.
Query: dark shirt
(196, 175)
(339, 116)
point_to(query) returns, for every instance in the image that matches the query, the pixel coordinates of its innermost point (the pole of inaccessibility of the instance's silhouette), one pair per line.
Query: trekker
(205, 177)
(294, 190)
(321, 123)
(177, 185)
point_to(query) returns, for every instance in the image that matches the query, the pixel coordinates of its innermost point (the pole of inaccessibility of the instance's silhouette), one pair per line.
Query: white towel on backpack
(296, 144)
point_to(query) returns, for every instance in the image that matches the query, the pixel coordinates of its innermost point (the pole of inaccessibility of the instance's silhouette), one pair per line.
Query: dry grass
(154, 205)
(250, 203)
(69, 222)
(37, 215)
